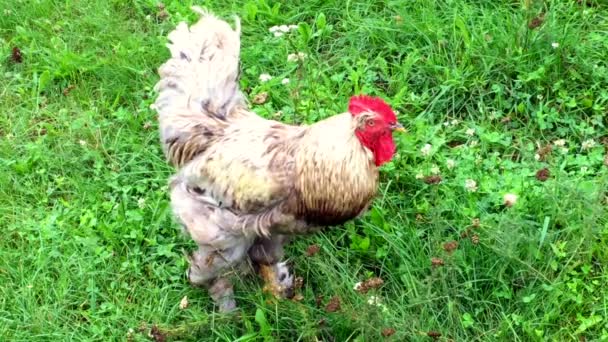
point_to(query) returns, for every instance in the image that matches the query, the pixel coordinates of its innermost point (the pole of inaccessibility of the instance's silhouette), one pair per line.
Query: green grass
(89, 250)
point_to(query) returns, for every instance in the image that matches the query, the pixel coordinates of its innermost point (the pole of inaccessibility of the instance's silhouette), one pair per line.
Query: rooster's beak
(397, 127)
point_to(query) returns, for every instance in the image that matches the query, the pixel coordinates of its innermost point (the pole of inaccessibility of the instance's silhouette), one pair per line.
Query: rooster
(245, 185)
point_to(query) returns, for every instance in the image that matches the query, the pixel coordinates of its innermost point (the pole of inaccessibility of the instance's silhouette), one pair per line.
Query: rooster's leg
(207, 268)
(267, 253)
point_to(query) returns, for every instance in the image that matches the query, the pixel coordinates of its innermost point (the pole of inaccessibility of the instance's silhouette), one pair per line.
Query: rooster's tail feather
(198, 90)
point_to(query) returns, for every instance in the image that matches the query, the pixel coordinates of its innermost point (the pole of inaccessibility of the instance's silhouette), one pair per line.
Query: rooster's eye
(370, 122)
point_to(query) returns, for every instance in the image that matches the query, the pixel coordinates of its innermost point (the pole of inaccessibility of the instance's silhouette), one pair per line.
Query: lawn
(491, 223)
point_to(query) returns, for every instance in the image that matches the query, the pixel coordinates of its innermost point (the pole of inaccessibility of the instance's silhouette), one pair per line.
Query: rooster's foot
(277, 280)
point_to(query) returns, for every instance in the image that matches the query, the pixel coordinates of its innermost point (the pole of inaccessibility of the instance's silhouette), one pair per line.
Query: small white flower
(419, 175)
(450, 163)
(470, 185)
(265, 77)
(509, 199)
(357, 286)
(284, 28)
(588, 144)
(148, 17)
(446, 124)
(555, 45)
(293, 57)
(454, 122)
(559, 143)
(540, 96)
(82, 143)
(141, 203)
(473, 143)
(373, 300)
(278, 34)
(426, 150)
(537, 157)
(435, 170)
(293, 27)
(285, 81)
(470, 132)
(273, 29)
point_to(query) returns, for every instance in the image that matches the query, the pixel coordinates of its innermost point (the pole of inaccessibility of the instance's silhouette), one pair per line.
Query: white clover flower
(82, 142)
(470, 132)
(588, 144)
(435, 170)
(285, 81)
(555, 45)
(265, 77)
(509, 199)
(293, 57)
(537, 157)
(284, 28)
(446, 124)
(273, 29)
(293, 27)
(426, 150)
(141, 203)
(559, 143)
(454, 122)
(419, 175)
(278, 34)
(373, 300)
(450, 163)
(470, 185)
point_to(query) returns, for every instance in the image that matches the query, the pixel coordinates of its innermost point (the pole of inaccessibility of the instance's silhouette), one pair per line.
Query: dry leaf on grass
(436, 262)
(450, 246)
(298, 283)
(543, 174)
(333, 305)
(157, 335)
(536, 21)
(183, 303)
(371, 283)
(433, 334)
(435, 179)
(260, 98)
(312, 250)
(386, 332)
(16, 55)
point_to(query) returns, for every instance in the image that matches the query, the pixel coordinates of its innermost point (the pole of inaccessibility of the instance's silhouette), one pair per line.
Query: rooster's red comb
(363, 103)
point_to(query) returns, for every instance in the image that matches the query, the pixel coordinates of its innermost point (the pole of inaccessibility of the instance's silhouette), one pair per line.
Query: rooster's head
(375, 122)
